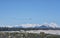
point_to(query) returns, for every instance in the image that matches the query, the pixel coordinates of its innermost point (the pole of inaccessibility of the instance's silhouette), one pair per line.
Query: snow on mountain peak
(53, 25)
(33, 25)
(28, 25)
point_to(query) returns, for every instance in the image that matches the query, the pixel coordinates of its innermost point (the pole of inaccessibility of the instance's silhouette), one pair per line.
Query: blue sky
(14, 12)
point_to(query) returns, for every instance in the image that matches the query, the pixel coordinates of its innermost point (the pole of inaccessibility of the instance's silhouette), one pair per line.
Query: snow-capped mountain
(17, 26)
(45, 25)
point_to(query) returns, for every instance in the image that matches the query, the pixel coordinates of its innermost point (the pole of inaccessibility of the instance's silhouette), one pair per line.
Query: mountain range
(45, 25)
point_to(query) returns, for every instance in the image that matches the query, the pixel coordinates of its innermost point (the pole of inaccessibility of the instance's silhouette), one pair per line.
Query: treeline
(18, 29)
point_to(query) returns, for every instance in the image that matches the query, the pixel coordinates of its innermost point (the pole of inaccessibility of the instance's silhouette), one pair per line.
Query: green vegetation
(26, 35)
